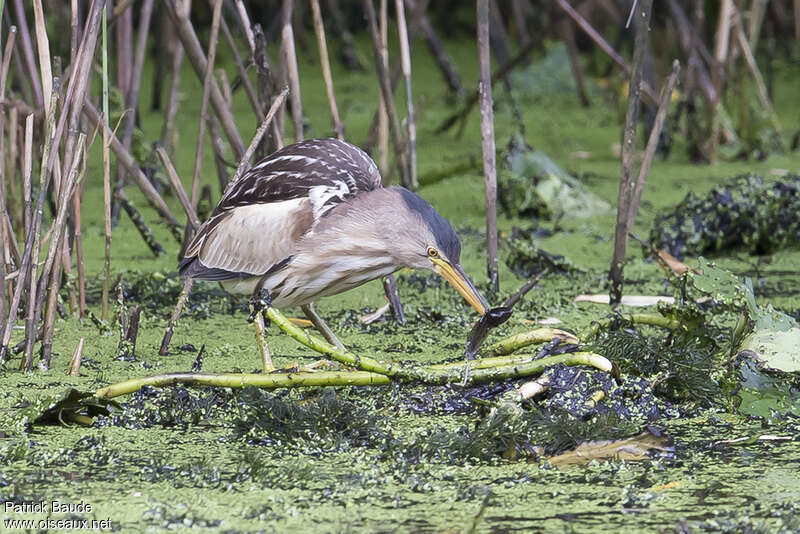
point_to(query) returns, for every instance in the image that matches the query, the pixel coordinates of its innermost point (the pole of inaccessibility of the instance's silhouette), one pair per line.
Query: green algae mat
(689, 439)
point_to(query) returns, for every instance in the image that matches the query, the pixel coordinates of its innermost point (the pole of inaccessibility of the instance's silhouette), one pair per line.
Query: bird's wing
(262, 216)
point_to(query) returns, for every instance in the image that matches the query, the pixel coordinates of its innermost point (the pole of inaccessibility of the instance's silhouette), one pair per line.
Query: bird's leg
(390, 288)
(320, 325)
(260, 301)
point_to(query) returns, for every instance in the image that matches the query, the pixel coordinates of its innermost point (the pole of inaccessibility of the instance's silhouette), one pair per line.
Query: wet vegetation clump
(679, 366)
(746, 213)
(170, 407)
(317, 423)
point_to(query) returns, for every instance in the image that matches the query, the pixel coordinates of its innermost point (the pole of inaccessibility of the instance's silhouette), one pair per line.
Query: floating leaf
(639, 447)
(69, 406)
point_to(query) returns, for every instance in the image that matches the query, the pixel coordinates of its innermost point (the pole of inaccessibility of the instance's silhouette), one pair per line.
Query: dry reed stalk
(30, 262)
(797, 19)
(15, 207)
(106, 177)
(176, 314)
(52, 270)
(246, 26)
(519, 10)
(27, 173)
(721, 47)
(168, 131)
(322, 44)
(383, 118)
(488, 144)
(641, 15)
(4, 236)
(77, 87)
(244, 163)
(177, 186)
(245, 79)
(134, 85)
(133, 169)
(43, 45)
(652, 143)
(568, 36)
(598, 39)
(290, 62)
(139, 223)
(78, 237)
(225, 85)
(28, 55)
(405, 62)
(436, 48)
(201, 126)
(74, 367)
(197, 58)
(761, 88)
(386, 90)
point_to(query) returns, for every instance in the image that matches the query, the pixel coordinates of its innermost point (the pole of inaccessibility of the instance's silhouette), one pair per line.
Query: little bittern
(312, 220)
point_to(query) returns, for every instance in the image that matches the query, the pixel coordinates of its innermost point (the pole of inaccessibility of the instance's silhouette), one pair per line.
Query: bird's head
(431, 243)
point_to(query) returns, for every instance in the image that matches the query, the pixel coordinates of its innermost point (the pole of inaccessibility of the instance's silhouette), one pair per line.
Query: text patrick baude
(47, 507)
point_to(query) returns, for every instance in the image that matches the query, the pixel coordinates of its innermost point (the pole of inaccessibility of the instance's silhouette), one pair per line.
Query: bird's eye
(433, 253)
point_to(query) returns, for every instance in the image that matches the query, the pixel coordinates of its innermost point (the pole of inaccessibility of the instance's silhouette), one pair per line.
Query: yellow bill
(459, 279)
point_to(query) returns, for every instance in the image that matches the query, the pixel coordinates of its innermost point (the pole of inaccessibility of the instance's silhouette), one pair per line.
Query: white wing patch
(321, 194)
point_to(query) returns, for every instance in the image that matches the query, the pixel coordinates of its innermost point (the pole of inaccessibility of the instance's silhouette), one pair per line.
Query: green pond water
(175, 460)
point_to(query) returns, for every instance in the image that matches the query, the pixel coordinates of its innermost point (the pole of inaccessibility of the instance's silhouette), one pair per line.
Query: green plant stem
(478, 374)
(518, 341)
(652, 319)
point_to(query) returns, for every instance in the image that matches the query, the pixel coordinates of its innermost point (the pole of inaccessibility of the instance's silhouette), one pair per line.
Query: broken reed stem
(244, 163)
(325, 62)
(209, 75)
(176, 314)
(290, 62)
(177, 186)
(74, 367)
(405, 61)
(488, 144)
(642, 21)
(106, 176)
(652, 143)
(52, 269)
(386, 90)
(197, 58)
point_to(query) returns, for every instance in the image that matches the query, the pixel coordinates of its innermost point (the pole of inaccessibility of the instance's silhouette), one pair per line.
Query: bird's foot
(258, 303)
